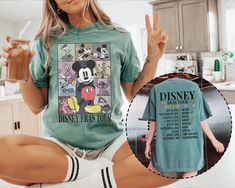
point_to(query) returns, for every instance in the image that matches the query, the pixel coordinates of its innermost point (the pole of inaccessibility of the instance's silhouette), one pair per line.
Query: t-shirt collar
(86, 29)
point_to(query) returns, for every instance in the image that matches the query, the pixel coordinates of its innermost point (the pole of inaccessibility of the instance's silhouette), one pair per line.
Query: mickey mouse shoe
(93, 109)
(73, 104)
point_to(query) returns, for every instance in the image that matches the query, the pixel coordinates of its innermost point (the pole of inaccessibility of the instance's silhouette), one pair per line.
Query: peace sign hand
(157, 38)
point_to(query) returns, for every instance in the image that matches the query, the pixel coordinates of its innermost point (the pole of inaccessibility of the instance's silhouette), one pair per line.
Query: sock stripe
(103, 178)
(75, 168)
(72, 168)
(77, 171)
(109, 181)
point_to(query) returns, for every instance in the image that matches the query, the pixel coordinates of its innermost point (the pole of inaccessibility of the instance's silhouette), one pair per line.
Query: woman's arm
(206, 129)
(157, 39)
(36, 98)
(151, 133)
(147, 74)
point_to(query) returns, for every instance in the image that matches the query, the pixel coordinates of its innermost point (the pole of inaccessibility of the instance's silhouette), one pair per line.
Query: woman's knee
(10, 142)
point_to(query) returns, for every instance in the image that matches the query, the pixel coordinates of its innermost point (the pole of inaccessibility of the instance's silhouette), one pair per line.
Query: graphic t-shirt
(178, 106)
(84, 80)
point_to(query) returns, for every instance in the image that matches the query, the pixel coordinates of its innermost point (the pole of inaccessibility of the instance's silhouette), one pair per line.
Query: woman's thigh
(118, 150)
(23, 158)
(131, 173)
(24, 140)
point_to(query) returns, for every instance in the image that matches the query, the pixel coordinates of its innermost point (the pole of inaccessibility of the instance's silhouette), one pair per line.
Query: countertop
(11, 97)
(225, 86)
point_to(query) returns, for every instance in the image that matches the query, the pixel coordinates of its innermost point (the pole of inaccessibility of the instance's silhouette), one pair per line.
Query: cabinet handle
(18, 125)
(177, 48)
(15, 126)
(181, 47)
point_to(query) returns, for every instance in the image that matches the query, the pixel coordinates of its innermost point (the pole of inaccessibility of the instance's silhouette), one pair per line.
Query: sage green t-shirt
(84, 80)
(178, 106)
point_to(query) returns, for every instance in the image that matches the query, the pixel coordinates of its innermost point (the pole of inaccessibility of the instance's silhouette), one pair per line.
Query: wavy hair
(54, 22)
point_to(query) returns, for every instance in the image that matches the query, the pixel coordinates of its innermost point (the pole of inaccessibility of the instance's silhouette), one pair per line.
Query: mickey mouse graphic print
(84, 79)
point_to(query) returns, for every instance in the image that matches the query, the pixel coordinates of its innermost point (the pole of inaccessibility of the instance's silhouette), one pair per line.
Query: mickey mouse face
(67, 67)
(104, 51)
(84, 71)
(102, 101)
(103, 85)
(85, 75)
(66, 49)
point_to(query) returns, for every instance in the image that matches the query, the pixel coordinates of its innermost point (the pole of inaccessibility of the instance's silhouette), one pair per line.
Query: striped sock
(73, 168)
(103, 178)
(78, 167)
(108, 178)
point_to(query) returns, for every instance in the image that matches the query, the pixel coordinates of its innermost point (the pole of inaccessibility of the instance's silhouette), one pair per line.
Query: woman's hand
(219, 147)
(5, 53)
(148, 151)
(157, 38)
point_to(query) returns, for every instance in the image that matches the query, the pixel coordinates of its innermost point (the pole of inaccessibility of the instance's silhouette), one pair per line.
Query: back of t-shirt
(178, 107)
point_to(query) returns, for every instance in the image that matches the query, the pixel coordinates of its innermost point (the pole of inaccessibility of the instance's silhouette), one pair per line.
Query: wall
(32, 29)
(131, 15)
(6, 28)
(224, 26)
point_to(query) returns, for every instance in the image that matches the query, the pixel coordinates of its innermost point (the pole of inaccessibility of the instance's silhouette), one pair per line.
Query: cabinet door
(6, 119)
(168, 19)
(193, 26)
(29, 122)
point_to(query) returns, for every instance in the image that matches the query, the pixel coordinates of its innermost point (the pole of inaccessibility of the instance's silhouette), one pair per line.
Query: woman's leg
(152, 168)
(189, 174)
(129, 172)
(15, 182)
(28, 159)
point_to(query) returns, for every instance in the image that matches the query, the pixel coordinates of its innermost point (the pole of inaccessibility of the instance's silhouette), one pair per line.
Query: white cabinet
(16, 117)
(191, 24)
(6, 118)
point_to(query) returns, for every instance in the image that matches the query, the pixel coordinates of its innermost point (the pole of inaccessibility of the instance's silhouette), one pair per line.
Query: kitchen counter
(227, 90)
(225, 86)
(11, 97)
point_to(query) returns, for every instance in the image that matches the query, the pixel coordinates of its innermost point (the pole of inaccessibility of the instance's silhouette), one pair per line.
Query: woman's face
(72, 6)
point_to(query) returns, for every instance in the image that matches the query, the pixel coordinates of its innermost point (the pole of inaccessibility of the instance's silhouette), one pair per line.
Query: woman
(75, 37)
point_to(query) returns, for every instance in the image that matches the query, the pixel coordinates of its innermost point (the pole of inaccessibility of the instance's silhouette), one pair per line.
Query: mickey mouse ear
(83, 64)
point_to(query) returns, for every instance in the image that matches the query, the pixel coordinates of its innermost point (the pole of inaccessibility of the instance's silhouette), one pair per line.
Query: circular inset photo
(178, 125)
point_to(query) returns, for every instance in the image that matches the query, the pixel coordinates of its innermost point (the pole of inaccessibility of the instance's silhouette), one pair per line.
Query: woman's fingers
(147, 156)
(5, 55)
(148, 24)
(8, 38)
(32, 53)
(221, 148)
(155, 21)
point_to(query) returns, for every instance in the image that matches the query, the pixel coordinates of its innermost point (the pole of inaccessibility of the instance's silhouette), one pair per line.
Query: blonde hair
(54, 22)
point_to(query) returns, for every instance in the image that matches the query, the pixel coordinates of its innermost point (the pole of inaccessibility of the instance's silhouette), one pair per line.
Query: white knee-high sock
(78, 167)
(100, 179)
(103, 178)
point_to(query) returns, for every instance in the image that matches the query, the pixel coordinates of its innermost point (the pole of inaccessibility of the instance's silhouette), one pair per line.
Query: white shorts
(107, 151)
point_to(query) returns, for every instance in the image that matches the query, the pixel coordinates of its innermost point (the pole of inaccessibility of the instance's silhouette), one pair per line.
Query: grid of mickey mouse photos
(84, 78)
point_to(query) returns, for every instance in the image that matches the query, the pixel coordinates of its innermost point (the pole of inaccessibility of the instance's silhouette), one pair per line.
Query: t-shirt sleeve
(205, 111)
(37, 65)
(131, 65)
(150, 109)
